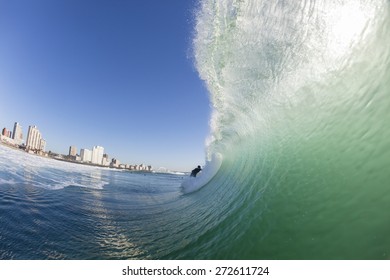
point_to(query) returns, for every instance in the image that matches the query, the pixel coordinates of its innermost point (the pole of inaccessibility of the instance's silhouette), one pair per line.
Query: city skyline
(122, 78)
(34, 140)
(36, 144)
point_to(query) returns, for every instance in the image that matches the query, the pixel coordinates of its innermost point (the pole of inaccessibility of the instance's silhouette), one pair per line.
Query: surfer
(195, 171)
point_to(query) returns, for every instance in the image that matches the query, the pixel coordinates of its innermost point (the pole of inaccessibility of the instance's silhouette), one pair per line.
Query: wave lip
(192, 184)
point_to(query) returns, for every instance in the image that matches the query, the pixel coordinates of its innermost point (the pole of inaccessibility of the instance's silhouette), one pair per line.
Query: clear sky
(114, 73)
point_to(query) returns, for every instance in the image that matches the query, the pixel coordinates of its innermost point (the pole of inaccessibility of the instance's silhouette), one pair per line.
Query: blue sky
(113, 73)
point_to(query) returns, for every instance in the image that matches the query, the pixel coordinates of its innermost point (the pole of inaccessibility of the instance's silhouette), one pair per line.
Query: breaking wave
(300, 97)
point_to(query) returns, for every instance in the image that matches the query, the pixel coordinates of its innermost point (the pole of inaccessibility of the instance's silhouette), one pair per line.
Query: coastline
(4, 144)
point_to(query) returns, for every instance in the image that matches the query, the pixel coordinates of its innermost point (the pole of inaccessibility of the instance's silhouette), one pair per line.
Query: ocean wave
(299, 91)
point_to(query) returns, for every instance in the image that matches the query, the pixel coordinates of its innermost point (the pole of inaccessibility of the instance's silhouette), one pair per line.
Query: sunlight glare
(346, 25)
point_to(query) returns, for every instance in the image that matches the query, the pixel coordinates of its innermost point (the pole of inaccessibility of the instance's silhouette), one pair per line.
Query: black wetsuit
(195, 171)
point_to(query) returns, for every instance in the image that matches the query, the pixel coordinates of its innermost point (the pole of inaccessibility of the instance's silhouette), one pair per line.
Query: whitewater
(297, 161)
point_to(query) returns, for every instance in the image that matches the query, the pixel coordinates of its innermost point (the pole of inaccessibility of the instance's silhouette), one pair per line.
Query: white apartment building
(106, 160)
(17, 134)
(86, 155)
(42, 145)
(34, 139)
(72, 151)
(97, 155)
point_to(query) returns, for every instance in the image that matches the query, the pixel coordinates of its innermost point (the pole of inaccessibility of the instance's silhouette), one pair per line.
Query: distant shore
(63, 158)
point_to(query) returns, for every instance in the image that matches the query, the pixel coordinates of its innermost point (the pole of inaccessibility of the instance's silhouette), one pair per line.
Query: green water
(301, 97)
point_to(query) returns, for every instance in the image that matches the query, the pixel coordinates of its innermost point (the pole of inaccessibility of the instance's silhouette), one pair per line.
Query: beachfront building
(35, 140)
(97, 154)
(5, 132)
(17, 134)
(72, 151)
(141, 167)
(106, 160)
(42, 145)
(86, 155)
(115, 163)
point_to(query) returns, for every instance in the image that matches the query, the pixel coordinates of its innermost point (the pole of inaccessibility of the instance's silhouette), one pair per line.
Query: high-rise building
(106, 160)
(97, 155)
(42, 145)
(17, 134)
(34, 139)
(72, 151)
(115, 163)
(86, 155)
(4, 132)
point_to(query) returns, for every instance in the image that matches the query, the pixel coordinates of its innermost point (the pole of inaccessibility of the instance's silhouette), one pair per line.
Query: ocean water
(57, 210)
(300, 128)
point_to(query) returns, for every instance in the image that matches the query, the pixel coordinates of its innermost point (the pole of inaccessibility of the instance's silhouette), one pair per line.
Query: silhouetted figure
(195, 171)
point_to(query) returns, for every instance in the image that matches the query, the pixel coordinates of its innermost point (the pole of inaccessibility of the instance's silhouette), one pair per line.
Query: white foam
(7, 182)
(47, 173)
(192, 184)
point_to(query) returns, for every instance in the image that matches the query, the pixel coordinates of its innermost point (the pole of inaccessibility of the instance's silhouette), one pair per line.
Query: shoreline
(71, 161)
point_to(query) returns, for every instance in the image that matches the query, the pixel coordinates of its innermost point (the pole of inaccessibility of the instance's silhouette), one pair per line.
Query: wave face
(301, 113)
